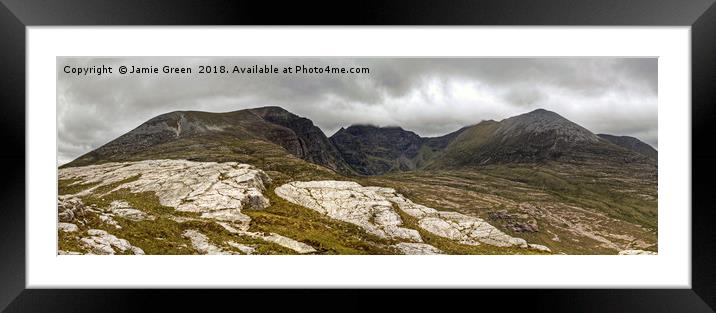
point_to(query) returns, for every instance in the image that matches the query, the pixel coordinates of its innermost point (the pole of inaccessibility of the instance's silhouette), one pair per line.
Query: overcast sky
(428, 96)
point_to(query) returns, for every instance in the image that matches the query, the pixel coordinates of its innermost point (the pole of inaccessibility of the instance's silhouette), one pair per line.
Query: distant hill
(632, 144)
(535, 137)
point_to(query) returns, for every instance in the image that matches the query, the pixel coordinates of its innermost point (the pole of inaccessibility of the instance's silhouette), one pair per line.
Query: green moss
(69, 242)
(326, 235)
(219, 236)
(72, 186)
(478, 191)
(109, 187)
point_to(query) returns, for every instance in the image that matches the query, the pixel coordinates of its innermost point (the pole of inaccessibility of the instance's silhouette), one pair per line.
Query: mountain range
(536, 137)
(267, 181)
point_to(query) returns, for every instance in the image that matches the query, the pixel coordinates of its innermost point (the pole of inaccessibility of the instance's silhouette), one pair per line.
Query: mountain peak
(540, 111)
(539, 122)
(541, 114)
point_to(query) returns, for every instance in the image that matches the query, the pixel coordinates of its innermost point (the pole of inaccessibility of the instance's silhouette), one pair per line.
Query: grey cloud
(429, 96)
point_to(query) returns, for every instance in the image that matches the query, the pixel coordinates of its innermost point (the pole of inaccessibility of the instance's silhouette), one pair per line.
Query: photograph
(357, 155)
(542, 156)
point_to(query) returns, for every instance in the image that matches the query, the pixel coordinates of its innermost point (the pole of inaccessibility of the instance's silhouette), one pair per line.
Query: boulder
(101, 242)
(67, 227)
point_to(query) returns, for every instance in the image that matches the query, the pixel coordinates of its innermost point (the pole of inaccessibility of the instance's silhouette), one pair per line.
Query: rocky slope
(539, 136)
(185, 207)
(632, 144)
(372, 151)
(296, 135)
(99, 200)
(377, 210)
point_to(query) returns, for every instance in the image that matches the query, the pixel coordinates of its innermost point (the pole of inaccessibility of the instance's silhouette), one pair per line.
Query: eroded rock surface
(636, 252)
(352, 203)
(67, 227)
(201, 243)
(283, 241)
(123, 209)
(374, 209)
(242, 247)
(70, 209)
(416, 248)
(216, 190)
(102, 242)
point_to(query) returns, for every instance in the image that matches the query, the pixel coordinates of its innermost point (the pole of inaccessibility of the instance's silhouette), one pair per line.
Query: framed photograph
(558, 152)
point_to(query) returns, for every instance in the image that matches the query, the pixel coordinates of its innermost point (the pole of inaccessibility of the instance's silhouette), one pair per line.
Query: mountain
(204, 133)
(536, 137)
(632, 144)
(372, 150)
(266, 134)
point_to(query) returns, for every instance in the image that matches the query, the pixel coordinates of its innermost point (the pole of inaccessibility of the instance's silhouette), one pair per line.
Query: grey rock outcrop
(350, 202)
(216, 190)
(102, 242)
(374, 209)
(201, 243)
(636, 252)
(280, 240)
(414, 248)
(67, 227)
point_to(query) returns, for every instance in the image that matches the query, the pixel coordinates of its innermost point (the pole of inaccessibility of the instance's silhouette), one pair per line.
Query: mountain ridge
(535, 137)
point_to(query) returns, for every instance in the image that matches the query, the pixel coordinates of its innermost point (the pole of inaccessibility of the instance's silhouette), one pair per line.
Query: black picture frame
(16, 15)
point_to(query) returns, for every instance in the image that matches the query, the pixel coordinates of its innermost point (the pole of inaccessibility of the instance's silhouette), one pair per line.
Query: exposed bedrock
(375, 210)
(216, 190)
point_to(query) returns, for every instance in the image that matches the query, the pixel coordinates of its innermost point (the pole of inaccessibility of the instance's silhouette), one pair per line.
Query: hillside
(266, 181)
(209, 136)
(632, 144)
(537, 137)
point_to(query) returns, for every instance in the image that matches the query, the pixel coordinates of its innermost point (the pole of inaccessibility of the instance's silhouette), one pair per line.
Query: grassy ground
(328, 236)
(578, 196)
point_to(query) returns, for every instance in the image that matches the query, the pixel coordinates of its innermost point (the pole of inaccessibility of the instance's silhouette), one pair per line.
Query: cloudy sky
(428, 96)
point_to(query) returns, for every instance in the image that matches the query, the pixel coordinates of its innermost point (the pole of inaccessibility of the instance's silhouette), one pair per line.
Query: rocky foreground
(378, 210)
(216, 192)
(103, 207)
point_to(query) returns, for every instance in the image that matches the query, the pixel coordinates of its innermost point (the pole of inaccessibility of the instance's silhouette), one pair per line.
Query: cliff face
(373, 150)
(301, 138)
